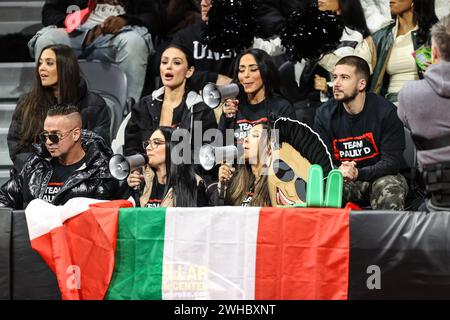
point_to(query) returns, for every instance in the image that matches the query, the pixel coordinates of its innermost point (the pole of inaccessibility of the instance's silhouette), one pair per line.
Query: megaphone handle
(137, 195)
(222, 191)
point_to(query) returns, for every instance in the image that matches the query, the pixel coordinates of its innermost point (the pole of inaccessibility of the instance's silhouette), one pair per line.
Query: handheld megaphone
(121, 166)
(210, 156)
(213, 95)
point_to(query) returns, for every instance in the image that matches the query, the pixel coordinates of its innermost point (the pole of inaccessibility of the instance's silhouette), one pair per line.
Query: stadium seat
(110, 82)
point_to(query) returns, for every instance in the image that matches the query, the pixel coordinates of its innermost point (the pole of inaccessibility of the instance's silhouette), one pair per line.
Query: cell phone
(422, 56)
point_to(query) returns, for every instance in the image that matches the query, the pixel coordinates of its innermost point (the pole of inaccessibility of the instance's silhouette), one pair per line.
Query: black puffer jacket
(91, 180)
(94, 115)
(138, 12)
(145, 117)
(271, 14)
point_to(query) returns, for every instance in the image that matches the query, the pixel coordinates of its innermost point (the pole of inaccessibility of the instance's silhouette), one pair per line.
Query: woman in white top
(397, 43)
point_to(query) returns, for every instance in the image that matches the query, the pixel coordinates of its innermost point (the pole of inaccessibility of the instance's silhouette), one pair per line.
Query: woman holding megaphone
(167, 183)
(260, 100)
(246, 185)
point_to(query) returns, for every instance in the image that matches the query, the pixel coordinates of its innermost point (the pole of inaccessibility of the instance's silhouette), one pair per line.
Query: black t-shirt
(204, 59)
(157, 195)
(355, 140)
(248, 198)
(250, 115)
(59, 177)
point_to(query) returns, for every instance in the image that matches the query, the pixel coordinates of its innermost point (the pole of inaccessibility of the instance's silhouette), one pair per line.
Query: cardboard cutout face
(287, 176)
(297, 148)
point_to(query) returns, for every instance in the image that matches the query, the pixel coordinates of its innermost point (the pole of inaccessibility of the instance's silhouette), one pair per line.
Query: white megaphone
(121, 166)
(210, 156)
(213, 95)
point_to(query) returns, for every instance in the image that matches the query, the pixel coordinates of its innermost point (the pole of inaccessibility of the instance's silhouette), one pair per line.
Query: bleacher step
(15, 16)
(15, 79)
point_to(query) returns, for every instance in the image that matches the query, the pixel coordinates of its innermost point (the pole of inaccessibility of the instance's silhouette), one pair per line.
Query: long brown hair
(244, 178)
(33, 109)
(241, 184)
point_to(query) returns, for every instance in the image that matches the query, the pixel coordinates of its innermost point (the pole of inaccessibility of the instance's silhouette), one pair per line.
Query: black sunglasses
(53, 137)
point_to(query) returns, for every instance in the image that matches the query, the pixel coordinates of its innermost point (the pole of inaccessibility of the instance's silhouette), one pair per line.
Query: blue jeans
(129, 49)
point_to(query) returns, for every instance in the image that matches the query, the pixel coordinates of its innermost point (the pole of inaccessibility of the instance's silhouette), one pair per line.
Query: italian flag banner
(111, 250)
(231, 253)
(78, 242)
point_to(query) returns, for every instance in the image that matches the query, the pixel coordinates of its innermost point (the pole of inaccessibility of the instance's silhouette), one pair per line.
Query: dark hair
(353, 15)
(361, 66)
(268, 70)
(190, 62)
(424, 17)
(180, 177)
(33, 109)
(440, 34)
(62, 109)
(187, 52)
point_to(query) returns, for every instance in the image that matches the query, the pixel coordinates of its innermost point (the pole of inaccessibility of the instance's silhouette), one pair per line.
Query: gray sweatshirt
(424, 107)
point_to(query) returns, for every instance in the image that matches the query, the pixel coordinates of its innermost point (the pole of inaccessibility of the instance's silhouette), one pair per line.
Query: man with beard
(365, 137)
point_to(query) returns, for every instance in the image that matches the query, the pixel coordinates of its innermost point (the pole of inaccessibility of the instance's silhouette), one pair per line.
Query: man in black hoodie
(365, 138)
(74, 163)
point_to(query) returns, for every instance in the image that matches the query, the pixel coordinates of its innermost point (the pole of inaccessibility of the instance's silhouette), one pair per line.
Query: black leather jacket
(91, 180)
(145, 117)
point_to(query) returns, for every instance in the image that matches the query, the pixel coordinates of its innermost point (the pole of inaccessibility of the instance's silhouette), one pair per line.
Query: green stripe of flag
(139, 255)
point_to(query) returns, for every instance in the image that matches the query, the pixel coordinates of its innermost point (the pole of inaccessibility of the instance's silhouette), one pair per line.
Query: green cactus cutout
(315, 197)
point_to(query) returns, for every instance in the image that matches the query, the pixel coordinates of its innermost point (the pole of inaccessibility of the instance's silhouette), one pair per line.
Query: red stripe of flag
(305, 252)
(85, 243)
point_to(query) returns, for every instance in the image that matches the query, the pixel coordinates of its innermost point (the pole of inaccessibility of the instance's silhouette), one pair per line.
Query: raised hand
(230, 108)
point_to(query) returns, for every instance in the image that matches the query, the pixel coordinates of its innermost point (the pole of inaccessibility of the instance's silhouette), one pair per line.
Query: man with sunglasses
(74, 163)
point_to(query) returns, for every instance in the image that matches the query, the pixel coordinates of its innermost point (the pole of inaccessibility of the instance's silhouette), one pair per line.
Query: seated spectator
(210, 66)
(313, 76)
(395, 44)
(114, 31)
(167, 184)
(174, 104)
(57, 80)
(356, 39)
(260, 100)
(246, 185)
(272, 14)
(365, 137)
(74, 163)
(424, 107)
(177, 15)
